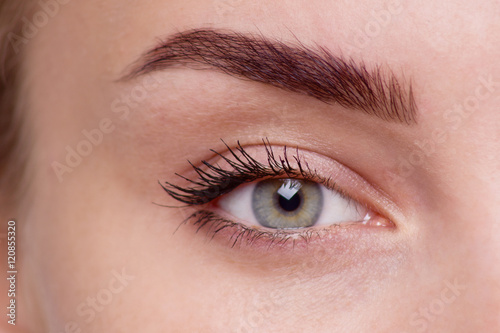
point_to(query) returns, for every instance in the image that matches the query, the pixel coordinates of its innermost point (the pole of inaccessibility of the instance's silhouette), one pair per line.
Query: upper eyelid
(345, 181)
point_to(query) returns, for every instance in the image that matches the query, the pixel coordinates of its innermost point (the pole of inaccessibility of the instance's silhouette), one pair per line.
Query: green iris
(287, 203)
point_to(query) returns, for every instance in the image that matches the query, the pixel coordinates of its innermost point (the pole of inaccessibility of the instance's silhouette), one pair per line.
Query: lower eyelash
(239, 233)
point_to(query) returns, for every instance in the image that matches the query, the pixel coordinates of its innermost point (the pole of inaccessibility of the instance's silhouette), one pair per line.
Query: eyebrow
(314, 72)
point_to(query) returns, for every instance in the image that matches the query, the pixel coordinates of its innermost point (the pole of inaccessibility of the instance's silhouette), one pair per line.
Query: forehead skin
(100, 219)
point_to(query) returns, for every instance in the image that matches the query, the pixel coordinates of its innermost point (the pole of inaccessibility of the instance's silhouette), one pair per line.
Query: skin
(75, 234)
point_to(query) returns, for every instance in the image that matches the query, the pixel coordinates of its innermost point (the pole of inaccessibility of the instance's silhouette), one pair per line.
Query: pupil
(290, 205)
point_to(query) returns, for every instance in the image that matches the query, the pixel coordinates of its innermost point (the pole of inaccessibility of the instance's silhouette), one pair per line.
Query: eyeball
(291, 204)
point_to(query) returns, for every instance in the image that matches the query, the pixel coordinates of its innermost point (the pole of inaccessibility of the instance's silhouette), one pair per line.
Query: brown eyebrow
(299, 69)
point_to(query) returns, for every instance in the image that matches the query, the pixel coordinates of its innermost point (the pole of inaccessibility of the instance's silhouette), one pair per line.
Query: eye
(266, 198)
(291, 204)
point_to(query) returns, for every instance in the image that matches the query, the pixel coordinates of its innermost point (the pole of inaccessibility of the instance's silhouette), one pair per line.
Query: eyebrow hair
(295, 68)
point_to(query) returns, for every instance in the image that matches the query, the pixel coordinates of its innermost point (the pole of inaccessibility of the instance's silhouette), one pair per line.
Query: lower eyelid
(268, 243)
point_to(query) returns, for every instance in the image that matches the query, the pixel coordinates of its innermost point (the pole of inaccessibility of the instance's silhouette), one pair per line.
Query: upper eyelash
(217, 181)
